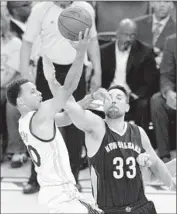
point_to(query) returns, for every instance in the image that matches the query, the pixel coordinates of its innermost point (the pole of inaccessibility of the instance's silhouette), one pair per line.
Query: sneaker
(31, 188)
(18, 160)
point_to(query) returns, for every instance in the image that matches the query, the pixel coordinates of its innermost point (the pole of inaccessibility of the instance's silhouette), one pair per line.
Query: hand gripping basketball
(73, 20)
(83, 41)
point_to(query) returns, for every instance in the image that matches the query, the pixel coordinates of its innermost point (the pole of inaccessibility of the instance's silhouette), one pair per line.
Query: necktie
(156, 32)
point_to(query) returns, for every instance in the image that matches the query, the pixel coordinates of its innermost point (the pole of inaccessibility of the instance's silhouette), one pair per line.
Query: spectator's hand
(102, 94)
(48, 67)
(83, 40)
(95, 82)
(144, 160)
(158, 59)
(171, 99)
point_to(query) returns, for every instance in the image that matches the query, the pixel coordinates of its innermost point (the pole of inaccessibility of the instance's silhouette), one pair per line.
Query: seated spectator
(154, 28)
(129, 62)
(10, 59)
(163, 104)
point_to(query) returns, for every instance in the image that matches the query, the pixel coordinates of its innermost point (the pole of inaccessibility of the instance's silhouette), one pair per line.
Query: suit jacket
(16, 29)
(144, 31)
(141, 72)
(168, 66)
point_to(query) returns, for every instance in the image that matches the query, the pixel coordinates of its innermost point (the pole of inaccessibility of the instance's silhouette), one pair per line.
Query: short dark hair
(13, 91)
(122, 88)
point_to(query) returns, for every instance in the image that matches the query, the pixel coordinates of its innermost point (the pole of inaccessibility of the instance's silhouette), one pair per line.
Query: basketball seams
(68, 29)
(73, 19)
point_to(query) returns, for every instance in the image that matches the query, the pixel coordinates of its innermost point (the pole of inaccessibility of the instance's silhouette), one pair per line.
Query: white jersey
(50, 156)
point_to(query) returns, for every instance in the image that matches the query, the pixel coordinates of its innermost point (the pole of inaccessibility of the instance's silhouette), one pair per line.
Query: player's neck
(24, 111)
(116, 124)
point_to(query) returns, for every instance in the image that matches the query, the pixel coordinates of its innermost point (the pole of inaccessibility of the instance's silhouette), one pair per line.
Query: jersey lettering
(34, 155)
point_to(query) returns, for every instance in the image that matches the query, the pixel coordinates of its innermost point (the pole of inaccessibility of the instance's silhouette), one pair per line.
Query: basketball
(72, 21)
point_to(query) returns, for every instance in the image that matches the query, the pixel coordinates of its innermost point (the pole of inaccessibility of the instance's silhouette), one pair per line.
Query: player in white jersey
(38, 129)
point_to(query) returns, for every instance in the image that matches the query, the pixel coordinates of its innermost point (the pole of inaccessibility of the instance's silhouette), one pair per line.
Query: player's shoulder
(42, 5)
(85, 5)
(40, 8)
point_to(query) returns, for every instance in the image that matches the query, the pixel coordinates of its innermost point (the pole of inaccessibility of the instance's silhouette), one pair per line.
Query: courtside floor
(14, 201)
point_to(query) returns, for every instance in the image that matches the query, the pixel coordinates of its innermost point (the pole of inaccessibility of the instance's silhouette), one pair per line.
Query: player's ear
(127, 108)
(19, 101)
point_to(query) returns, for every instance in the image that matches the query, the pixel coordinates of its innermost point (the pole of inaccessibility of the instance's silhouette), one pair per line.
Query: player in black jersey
(116, 151)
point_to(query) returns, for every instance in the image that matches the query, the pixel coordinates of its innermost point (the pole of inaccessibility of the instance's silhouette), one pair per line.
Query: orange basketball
(73, 20)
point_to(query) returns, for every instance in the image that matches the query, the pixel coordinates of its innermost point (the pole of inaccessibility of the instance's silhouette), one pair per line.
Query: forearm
(73, 77)
(25, 54)
(160, 170)
(54, 86)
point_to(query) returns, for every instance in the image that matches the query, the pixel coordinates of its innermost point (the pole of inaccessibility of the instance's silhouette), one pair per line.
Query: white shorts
(57, 200)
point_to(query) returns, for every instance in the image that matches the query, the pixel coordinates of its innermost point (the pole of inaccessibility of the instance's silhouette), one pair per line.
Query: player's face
(162, 8)
(30, 96)
(118, 105)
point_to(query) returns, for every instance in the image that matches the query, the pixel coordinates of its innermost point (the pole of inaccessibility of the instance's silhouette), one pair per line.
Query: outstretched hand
(101, 94)
(48, 67)
(83, 41)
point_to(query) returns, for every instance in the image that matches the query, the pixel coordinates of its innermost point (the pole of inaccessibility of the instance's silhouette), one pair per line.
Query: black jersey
(116, 175)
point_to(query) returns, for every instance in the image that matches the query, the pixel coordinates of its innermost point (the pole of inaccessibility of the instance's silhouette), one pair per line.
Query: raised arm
(62, 93)
(63, 119)
(85, 120)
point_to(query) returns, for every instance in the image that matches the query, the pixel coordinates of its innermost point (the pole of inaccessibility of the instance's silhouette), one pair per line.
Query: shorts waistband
(127, 208)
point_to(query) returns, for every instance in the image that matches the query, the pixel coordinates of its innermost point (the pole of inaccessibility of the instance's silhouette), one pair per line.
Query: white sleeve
(34, 23)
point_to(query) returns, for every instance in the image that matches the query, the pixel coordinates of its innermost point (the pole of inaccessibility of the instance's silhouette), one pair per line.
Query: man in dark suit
(163, 104)
(130, 63)
(154, 28)
(19, 11)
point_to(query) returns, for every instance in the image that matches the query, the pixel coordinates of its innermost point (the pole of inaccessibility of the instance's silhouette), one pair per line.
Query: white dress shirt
(43, 21)
(121, 67)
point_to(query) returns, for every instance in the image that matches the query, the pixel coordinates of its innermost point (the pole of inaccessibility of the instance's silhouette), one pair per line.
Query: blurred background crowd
(144, 61)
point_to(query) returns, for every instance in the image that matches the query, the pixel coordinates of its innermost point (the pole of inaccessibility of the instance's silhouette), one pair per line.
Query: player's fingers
(106, 96)
(86, 34)
(80, 35)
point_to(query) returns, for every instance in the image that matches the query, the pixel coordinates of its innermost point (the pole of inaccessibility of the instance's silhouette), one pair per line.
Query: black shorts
(141, 207)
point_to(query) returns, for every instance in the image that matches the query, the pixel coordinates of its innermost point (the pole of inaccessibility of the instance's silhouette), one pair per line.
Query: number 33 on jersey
(124, 168)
